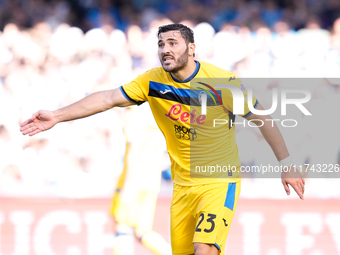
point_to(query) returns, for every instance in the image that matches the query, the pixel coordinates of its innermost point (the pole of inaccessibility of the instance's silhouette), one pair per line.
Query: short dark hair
(186, 32)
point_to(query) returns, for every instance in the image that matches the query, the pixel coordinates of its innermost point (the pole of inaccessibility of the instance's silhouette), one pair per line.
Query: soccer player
(202, 207)
(134, 201)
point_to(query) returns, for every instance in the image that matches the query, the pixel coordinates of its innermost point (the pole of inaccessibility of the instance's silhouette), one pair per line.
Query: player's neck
(186, 72)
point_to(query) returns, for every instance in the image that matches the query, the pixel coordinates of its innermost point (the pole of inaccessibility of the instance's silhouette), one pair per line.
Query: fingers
(28, 126)
(35, 115)
(34, 132)
(25, 123)
(298, 190)
(299, 187)
(30, 129)
(302, 185)
(297, 184)
(286, 187)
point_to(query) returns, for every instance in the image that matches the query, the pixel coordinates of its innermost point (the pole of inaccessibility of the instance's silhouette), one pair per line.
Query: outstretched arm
(92, 104)
(274, 138)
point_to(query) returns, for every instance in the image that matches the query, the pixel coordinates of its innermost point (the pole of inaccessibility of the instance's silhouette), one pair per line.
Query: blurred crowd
(88, 14)
(55, 52)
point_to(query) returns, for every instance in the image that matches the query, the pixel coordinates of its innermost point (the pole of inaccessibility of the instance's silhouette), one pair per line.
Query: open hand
(294, 178)
(40, 121)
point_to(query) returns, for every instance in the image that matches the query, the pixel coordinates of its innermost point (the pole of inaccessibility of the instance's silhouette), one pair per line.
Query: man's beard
(179, 63)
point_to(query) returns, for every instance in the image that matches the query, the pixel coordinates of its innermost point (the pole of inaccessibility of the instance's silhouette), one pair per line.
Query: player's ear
(192, 48)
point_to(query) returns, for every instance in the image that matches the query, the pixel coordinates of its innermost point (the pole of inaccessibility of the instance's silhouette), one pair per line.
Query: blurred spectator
(271, 12)
(330, 13)
(285, 48)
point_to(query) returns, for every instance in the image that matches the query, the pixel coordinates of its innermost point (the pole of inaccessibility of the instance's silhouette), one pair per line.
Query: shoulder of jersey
(215, 71)
(156, 74)
(156, 71)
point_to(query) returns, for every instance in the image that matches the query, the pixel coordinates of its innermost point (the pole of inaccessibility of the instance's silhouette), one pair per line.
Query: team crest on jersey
(200, 95)
(207, 92)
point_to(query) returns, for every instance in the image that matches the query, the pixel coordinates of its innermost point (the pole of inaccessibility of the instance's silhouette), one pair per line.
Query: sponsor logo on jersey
(185, 133)
(176, 113)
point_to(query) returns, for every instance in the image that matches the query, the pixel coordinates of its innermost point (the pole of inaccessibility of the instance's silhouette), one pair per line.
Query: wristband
(287, 162)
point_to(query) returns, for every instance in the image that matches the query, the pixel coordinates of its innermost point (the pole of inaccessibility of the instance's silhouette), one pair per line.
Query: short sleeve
(235, 86)
(137, 90)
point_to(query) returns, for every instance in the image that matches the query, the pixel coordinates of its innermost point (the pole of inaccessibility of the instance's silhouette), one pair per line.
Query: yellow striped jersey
(196, 117)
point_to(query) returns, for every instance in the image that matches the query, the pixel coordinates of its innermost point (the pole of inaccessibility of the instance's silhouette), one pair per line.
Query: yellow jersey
(201, 145)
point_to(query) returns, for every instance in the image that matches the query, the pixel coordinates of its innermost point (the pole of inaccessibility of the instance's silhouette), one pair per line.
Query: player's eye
(160, 45)
(172, 43)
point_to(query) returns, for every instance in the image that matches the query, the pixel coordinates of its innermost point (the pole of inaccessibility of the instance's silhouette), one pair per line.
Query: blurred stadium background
(55, 188)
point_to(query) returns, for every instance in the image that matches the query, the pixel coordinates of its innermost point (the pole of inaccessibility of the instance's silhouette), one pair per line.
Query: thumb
(35, 115)
(286, 188)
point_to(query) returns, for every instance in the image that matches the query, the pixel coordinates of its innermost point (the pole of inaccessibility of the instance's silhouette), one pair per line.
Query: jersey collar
(191, 76)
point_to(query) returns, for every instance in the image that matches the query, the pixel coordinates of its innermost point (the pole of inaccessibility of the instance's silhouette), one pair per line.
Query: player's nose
(165, 50)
